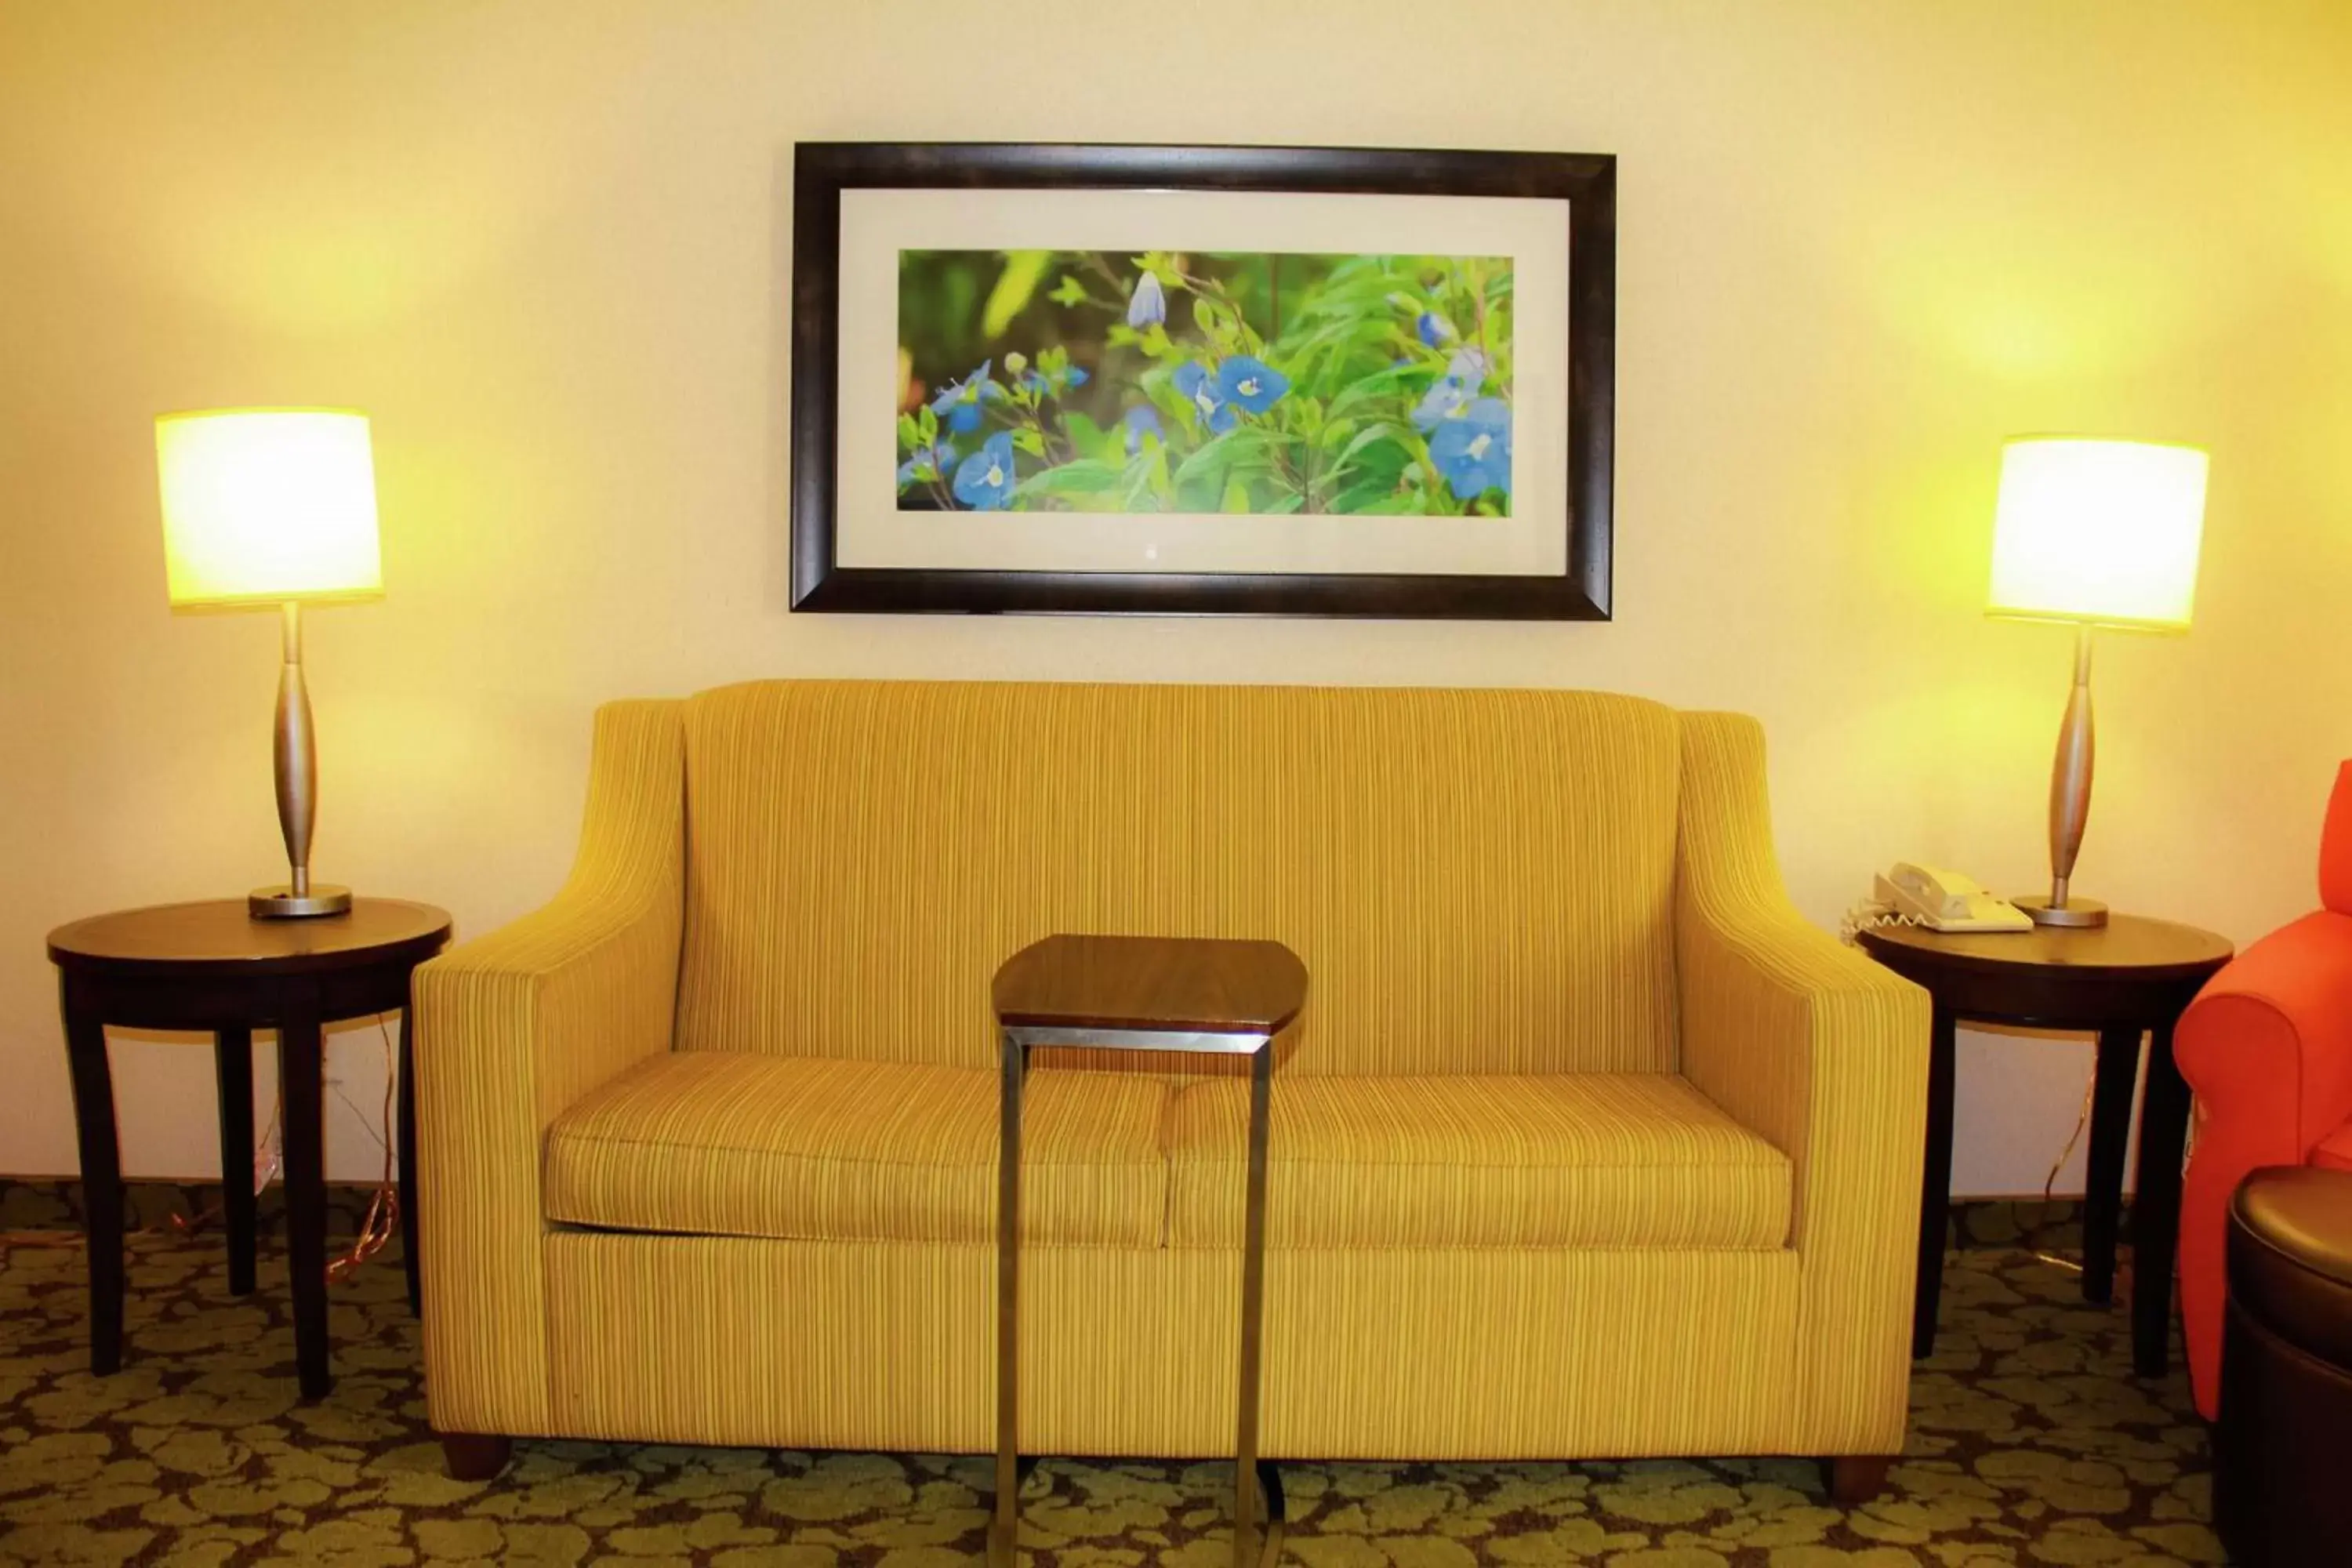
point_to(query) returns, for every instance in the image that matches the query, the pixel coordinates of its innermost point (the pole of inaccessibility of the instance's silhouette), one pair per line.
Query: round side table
(2128, 977)
(213, 966)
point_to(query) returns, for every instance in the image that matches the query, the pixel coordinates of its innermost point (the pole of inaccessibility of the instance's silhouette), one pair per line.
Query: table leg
(1004, 1530)
(301, 1072)
(2118, 1075)
(1935, 1181)
(411, 1254)
(1246, 1501)
(101, 1169)
(233, 1072)
(2155, 1202)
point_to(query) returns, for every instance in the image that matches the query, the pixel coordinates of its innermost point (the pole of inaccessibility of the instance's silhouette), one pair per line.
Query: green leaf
(927, 423)
(1023, 271)
(1090, 439)
(1052, 362)
(1156, 341)
(1378, 430)
(1380, 384)
(1204, 315)
(1069, 291)
(1236, 497)
(1030, 441)
(1240, 441)
(1085, 476)
(910, 435)
(1288, 503)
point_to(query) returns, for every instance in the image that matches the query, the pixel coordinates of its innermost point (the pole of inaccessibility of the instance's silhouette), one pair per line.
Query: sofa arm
(2267, 1046)
(1825, 1054)
(513, 1027)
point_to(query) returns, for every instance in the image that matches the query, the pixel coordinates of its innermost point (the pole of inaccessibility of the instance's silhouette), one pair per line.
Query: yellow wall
(546, 247)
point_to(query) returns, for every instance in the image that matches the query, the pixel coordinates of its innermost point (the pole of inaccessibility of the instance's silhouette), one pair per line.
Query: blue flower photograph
(1212, 383)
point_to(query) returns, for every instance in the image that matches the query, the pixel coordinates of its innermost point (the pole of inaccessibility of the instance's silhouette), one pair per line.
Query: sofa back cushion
(1478, 881)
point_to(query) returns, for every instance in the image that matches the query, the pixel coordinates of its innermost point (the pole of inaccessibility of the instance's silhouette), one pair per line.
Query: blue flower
(1148, 306)
(927, 463)
(1252, 382)
(958, 401)
(1139, 419)
(1465, 373)
(1435, 329)
(1199, 387)
(984, 480)
(1059, 382)
(1473, 449)
(1445, 396)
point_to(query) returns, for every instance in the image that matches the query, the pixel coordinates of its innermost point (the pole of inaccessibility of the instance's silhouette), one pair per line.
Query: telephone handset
(1946, 900)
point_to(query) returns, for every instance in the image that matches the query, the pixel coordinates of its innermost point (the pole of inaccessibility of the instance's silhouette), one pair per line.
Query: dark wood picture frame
(1586, 182)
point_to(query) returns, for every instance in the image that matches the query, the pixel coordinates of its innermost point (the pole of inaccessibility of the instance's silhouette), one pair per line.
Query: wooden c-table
(2127, 977)
(213, 966)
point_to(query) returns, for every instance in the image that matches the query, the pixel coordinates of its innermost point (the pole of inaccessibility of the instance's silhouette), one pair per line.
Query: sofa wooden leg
(1855, 1479)
(475, 1456)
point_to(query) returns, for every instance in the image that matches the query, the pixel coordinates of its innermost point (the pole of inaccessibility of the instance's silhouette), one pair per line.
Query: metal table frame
(1252, 1504)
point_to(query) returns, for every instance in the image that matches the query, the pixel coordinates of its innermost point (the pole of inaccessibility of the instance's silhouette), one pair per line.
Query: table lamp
(274, 506)
(2100, 533)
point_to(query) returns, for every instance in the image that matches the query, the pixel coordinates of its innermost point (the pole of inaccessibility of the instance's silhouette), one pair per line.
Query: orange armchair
(2267, 1046)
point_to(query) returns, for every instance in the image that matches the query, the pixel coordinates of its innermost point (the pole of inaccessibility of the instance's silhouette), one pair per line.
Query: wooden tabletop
(1197, 984)
(221, 936)
(2128, 947)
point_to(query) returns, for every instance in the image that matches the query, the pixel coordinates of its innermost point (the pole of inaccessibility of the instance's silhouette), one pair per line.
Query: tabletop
(2128, 947)
(219, 936)
(1200, 984)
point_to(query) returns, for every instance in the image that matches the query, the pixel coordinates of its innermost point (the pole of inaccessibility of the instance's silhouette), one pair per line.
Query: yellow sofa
(1586, 1145)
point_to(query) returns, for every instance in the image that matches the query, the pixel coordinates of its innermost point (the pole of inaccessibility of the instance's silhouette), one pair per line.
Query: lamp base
(283, 903)
(2077, 912)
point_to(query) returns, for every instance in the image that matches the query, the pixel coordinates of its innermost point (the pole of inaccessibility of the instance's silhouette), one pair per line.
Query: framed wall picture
(1201, 380)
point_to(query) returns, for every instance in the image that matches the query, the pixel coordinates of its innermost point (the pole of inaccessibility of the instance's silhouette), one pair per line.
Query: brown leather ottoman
(2283, 1452)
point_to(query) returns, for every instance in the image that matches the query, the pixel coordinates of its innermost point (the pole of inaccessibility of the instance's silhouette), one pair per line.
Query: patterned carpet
(2030, 1444)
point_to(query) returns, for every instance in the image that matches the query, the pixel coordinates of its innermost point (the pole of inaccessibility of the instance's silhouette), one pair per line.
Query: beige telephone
(1946, 900)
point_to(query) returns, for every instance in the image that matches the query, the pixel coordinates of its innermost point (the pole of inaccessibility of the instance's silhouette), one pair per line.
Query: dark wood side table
(2127, 977)
(213, 966)
(1144, 994)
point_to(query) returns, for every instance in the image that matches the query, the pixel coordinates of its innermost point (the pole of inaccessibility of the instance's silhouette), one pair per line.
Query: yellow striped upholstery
(510, 1029)
(1478, 881)
(1485, 886)
(726, 1144)
(1824, 1053)
(1492, 1353)
(1564, 1160)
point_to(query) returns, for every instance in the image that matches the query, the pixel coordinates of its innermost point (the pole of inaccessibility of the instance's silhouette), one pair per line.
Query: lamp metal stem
(2070, 803)
(295, 759)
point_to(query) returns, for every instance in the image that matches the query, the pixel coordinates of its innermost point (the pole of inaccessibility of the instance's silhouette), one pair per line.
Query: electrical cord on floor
(383, 1218)
(376, 1229)
(2082, 1119)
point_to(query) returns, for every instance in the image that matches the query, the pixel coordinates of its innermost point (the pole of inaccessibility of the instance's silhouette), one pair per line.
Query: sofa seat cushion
(1597, 1160)
(738, 1143)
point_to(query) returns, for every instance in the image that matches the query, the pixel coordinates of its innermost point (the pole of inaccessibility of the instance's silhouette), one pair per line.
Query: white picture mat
(877, 224)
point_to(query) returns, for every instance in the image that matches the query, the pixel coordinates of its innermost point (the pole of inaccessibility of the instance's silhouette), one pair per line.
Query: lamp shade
(2101, 531)
(262, 505)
